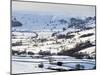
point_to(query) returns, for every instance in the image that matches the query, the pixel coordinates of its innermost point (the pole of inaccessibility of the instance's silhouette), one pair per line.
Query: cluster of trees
(80, 23)
(17, 43)
(16, 23)
(62, 21)
(54, 34)
(86, 35)
(44, 52)
(80, 55)
(79, 67)
(60, 36)
(74, 51)
(42, 40)
(90, 18)
(18, 52)
(77, 23)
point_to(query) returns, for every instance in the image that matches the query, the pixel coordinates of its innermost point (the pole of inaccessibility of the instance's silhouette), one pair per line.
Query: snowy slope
(50, 44)
(42, 26)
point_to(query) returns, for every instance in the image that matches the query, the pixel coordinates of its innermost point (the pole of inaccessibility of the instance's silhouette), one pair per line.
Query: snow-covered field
(52, 44)
(30, 65)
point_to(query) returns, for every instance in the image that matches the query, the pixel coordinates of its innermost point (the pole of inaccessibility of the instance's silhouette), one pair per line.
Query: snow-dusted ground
(30, 65)
(50, 43)
(25, 67)
(31, 41)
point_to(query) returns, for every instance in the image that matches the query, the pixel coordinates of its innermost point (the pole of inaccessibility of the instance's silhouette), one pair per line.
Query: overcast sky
(72, 10)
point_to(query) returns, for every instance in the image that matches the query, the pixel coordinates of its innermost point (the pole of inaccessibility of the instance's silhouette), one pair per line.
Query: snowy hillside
(61, 41)
(54, 33)
(50, 43)
(42, 51)
(40, 22)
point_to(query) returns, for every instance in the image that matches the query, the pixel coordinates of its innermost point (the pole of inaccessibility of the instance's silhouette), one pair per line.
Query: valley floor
(28, 64)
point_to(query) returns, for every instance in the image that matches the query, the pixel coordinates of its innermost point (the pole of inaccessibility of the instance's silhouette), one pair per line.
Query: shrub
(59, 63)
(41, 65)
(64, 28)
(30, 53)
(35, 45)
(44, 52)
(17, 43)
(60, 36)
(79, 67)
(69, 36)
(43, 40)
(62, 21)
(53, 34)
(15, 52)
